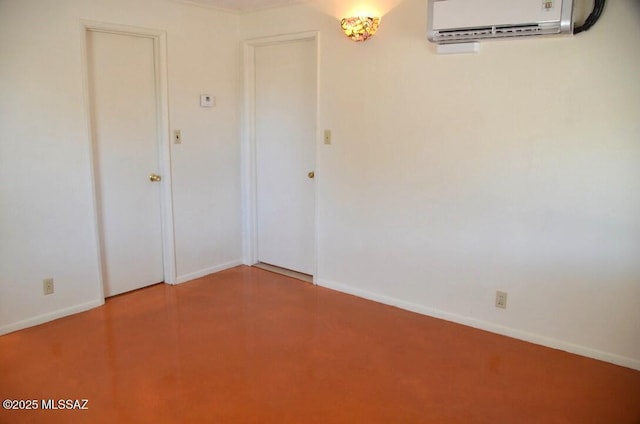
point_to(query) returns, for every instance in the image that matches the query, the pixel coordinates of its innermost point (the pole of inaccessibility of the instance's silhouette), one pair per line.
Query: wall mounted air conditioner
(462, 21)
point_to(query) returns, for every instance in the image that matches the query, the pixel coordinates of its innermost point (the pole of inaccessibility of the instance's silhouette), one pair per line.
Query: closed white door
(124, 110)
(285, 125)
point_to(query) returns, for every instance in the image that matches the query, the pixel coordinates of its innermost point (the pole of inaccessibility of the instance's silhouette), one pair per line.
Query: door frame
(163, 144)
(248, 145)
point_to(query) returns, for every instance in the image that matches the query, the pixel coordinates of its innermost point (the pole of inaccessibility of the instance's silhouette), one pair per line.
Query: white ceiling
(243, 5)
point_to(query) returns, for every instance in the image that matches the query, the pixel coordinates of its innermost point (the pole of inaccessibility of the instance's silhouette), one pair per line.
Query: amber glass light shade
(360, 28)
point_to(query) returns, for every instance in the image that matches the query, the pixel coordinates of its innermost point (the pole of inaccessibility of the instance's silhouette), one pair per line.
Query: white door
(122, 85)
(285, 124)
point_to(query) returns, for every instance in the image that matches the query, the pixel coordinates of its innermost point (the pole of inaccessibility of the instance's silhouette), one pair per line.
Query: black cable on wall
(591, 20)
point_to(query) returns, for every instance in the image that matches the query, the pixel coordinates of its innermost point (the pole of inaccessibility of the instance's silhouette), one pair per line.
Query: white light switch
(207, 100)
(177, 137)
(327, 136)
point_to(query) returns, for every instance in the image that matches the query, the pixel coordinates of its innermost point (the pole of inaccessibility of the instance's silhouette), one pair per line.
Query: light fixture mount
(360, 28)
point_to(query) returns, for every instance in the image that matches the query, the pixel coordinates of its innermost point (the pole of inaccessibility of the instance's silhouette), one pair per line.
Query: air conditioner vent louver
(478, 33)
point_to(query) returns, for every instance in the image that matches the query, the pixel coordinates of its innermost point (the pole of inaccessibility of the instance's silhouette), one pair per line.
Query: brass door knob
(311, 175)
(154, 178)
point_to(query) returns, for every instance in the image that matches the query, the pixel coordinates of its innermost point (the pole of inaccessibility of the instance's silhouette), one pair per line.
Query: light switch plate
(207, 100)
(327, 136)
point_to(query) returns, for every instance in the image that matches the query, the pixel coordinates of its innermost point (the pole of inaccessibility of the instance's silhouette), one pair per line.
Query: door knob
(154, 178)
(311, 174)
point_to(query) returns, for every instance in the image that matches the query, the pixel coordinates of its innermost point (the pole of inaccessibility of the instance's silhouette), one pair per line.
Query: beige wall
(451, 177)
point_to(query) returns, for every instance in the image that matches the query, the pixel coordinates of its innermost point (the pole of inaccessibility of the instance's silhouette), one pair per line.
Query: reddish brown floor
(249, 346)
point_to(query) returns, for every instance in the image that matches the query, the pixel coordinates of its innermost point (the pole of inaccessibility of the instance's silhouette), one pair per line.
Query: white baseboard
(192, 276)
(41, 319)
(486, 325)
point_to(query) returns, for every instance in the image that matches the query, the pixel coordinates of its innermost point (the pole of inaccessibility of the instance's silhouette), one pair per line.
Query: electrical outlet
(501, 299)
(47, 286)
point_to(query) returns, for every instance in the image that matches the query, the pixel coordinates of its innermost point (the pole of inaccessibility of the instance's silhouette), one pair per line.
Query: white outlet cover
(501, 299)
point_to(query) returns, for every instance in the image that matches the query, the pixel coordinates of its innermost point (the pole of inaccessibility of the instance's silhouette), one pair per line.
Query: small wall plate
(207, 100)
